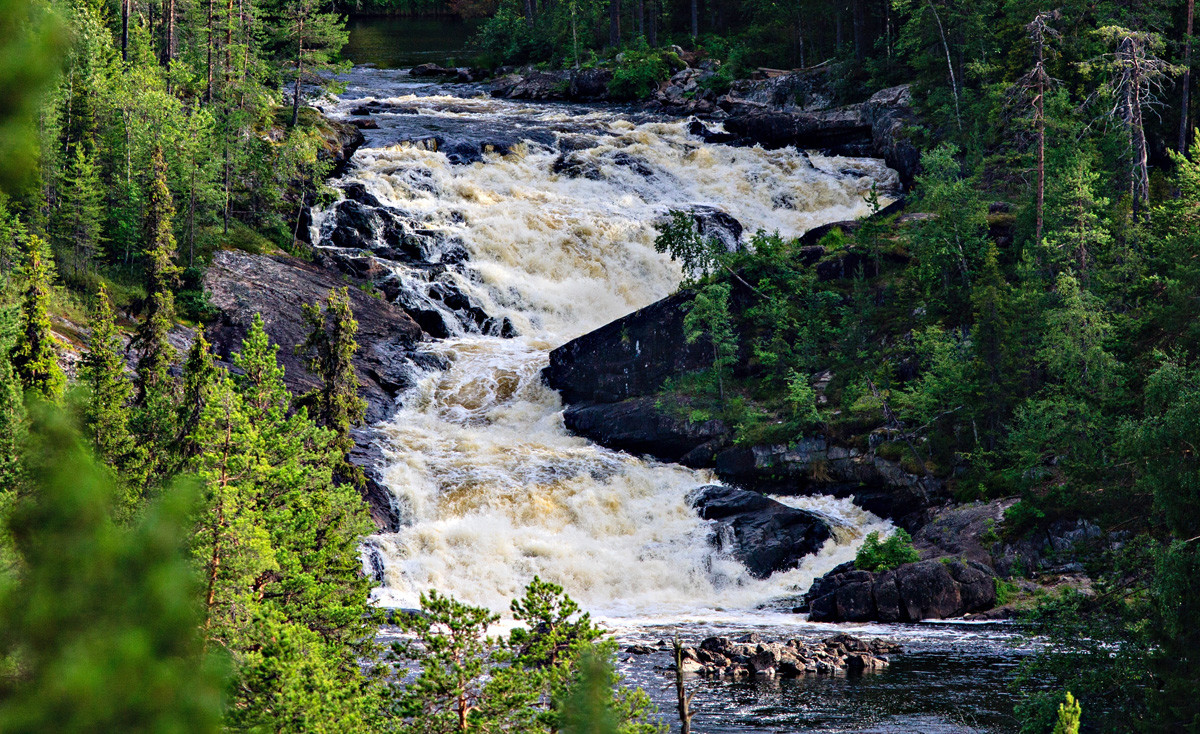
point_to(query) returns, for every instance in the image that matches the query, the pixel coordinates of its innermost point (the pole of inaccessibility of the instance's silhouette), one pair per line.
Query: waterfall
(556, 215)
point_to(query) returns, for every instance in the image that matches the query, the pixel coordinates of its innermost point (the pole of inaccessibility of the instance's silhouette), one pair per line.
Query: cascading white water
(492, 487)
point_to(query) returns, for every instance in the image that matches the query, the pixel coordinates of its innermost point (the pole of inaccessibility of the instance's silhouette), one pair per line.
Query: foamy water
(493, 490)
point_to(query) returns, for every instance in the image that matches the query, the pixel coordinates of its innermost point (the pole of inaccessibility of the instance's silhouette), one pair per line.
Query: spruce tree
(199, 378)
(330, 349)
(106, 412)
(162, 274)
(81, 211)
(12, 428)
(34, 355)
(155, 420)
(261, 382)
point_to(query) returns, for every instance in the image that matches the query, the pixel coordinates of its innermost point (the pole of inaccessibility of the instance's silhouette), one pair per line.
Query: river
(491, 487)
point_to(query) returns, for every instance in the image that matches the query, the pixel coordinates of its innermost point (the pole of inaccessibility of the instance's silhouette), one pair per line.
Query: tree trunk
(949, 63)
(614, 22)
(1184, 111)
(1040, 116)
(299, 73)
(684, 698)
(208, 90)
(695, 19)
(529, 13)
(125, 29)
(641, 18)
(652, 24)
(170, 50)
(860, 29)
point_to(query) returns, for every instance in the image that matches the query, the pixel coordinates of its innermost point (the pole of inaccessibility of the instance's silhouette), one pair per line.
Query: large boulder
(842, 130)
(640, 426)
(241, 285)
(630, 357)
(764, 535)
(940, 588)
(890, 115)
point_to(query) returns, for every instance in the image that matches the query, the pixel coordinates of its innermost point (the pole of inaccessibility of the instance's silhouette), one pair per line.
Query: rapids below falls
(493, 490)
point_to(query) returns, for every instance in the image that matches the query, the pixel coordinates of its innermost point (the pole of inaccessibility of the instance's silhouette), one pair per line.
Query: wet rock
(764, 535)
(639, 426)
(641, 650)
(432, 70)
(717, 223)
(630, 357)
(842, 130)
(890, 114)
(340, 140)
(590, 84)
(573, 165)
(934, 589)
(362, 111)
(720, 657)
(364, 123)
(708, 135)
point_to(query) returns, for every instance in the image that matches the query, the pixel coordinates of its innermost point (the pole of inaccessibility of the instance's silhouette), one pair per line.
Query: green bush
(1006, 591)
(877, 555)
(638, 75)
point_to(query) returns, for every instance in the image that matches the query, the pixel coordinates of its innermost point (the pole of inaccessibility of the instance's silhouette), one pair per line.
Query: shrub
(877, 555)
(638, 74)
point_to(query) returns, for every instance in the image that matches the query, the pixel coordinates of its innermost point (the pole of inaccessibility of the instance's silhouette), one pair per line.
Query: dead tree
(685, 698)
(1030, 92)
(1136, 77)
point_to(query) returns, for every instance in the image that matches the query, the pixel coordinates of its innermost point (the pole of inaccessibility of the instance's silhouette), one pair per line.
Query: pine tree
(155, 418)
(1068, 716)
(106, 413)
(330, 349)
(12, 428)
(310, 39)
(34, 355)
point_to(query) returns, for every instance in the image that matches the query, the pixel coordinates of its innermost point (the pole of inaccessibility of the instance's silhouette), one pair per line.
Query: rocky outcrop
(576, 85)
(877, 127)
(815, 465)
(934, 589)
(750, 656)
(241, 285)
(640, 427)
(764, 535)
(339, 141)
(630, 357)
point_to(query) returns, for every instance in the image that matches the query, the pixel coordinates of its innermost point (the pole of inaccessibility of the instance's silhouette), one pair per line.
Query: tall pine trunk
(695, 19)
(1184, 107)
(299, 72)
(614, 22)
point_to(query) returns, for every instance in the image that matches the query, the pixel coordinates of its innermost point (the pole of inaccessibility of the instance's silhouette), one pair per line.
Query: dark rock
(714, 222)
(764, 535)
(242, 285)
(932, 589)
(432, 70)
(362, 111)
(590, 83)
(629, 357)
(702, 131)
(751, 655)
(890, 114)
(340, 141)
(641, 650)
(831, 129)
(639, 426)
(364, 123)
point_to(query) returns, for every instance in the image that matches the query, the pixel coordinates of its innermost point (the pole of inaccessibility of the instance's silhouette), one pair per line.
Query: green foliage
(1006, 591)
(329, 350)
(553, 674)
(31, 37)
(680, 236)
(638, 74)
(708, 318)
(105, 412)
(34, 354)
(1069, 712)
(877, 555)
(102, 622)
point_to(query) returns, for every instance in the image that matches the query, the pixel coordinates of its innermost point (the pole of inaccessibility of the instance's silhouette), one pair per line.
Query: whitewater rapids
(492, 489)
